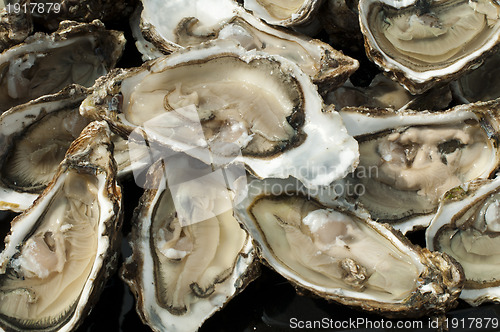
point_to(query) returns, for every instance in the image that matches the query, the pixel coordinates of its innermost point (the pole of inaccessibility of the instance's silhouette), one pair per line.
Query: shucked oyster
(61, 250)
(409, 159)
(284, 12)
(34, 138)
(241, 106)
(44, 64)
(336, 251)
(423, 42)
(171, 25)
(467, 227)
(190, 256)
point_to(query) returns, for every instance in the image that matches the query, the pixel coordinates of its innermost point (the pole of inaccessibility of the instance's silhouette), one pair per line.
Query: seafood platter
(250, 165)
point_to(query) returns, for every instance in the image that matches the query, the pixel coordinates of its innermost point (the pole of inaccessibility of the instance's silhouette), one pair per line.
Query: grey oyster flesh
(339, 255)
(405, 171)
(60, 250)
(332, 249)
(433, 35)
(467, 228)
(190, 260)
(44, 281)
(272, 113)
(45, 64)
(35, 155)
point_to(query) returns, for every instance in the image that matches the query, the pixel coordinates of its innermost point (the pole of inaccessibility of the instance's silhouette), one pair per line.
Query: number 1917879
(34, 8)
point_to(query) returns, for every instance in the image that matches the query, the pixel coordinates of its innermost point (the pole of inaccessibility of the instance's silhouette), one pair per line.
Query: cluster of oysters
(253, 142)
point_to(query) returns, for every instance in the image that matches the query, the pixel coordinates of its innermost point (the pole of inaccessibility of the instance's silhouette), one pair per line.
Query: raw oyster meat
(190, 255)
(336, 251)
(284, 12)
(422, 43)
(467, 227)
(77, 53)
(34, 138)
(247, 107)
(61, 250)
(408, 159)
(193, 22)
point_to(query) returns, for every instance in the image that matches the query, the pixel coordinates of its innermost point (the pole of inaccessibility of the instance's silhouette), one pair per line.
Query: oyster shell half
(467, 227)
(190, 256)
(171, 25)
(225, 105)
(61, 250)
(409, 159)
(34, 138)
(77, 53)
(423, 42)
(336, 251)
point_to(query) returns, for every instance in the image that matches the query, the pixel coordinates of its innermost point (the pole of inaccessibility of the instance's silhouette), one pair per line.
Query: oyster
(422, 43)
(409, 159)
(44, 64)
(336, 251)
(190, 256)
(467, 227)
(284, 12)
(61, 250)
(240, 106)
(34, 138)
(191, 23)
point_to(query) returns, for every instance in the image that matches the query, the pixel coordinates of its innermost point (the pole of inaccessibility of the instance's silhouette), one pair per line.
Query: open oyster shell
(284, 12)
(61, 250)
(77, 53)
(34, 138)
(423, 43)
(189, 254)
(467, 227)
(334, 250)
(242, 107)
(408, 159)
(182, 24)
